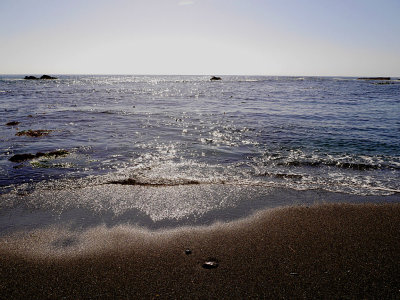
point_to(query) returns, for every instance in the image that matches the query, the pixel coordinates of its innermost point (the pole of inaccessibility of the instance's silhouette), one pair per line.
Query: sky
(205, 37)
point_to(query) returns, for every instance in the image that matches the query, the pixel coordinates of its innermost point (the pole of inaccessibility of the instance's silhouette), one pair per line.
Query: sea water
(172, 147)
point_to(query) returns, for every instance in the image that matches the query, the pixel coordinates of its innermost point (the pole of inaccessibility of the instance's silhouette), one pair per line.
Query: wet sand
(322, 251)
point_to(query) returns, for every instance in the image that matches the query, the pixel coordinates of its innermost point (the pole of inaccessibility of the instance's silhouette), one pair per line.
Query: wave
(341, 165)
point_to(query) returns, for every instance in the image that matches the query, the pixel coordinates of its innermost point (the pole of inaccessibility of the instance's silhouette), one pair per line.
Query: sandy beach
(335, 251)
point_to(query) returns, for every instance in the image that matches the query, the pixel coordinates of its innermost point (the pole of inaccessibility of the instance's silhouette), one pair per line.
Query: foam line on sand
(322, 251)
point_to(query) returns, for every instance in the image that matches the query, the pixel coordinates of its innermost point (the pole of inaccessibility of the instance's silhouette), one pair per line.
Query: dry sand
(334, 251)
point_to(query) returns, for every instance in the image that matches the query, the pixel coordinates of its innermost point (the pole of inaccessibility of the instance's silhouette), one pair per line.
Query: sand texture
(334, 251)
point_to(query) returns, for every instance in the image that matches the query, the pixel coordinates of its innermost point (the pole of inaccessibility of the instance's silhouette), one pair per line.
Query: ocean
(162, 151)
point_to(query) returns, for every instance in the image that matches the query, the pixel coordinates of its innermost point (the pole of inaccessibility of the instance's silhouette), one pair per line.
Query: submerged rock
(210, 263)
(215, 78)
(13, 123)
(33, 133)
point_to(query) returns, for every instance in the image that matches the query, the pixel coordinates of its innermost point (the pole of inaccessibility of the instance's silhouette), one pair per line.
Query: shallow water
(248, 133)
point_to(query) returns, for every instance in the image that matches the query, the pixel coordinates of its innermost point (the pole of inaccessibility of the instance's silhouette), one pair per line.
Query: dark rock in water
(374, 78)
(13, 123)
(29, 156)
(57, 153)
(188, 251)
(215, 78)
(22, 157)
(210, 263)
(42, 77)
(52, 154)
(30, 77)
(47, 77)
(33, 133)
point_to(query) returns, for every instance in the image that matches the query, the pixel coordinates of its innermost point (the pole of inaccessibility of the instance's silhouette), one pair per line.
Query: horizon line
(175, 74)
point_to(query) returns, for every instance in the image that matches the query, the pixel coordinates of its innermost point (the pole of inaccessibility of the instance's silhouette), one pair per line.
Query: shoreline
(319, 251)
(156, 208)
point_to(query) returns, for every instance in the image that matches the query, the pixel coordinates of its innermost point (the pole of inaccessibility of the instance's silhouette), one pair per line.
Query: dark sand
(335, 251)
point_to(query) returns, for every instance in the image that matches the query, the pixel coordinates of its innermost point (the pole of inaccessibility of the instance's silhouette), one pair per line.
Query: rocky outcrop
(215, 78)
(42, 77)
(47, 77)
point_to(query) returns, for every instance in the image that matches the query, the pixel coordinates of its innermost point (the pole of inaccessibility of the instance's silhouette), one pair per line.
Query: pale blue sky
(249, 37)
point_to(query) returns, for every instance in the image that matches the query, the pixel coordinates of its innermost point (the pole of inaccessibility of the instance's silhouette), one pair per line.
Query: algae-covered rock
(33, 133)
(29, 156)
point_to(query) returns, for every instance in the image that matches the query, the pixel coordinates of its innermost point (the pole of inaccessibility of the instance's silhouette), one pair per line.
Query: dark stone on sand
(215, 78)
(210, 263)
(33, 133)
(374, 78)
(47, 77)
(31, 77)
(13, 123)
(22, 157)
(29, 156)
(188, 251)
